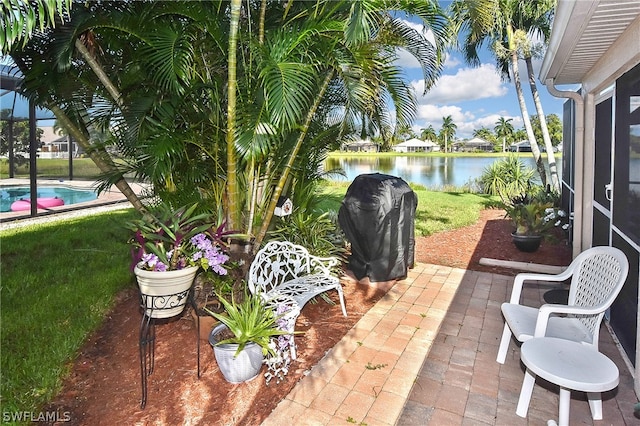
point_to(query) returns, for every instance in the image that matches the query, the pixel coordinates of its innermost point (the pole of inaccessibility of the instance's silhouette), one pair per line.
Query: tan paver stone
(420, 345)
(386, 326)
(386, 358)
(326, 368)
(386, 408)
(287, 412)
(358, 334)
(313, 418)
(424, 334)
(399, 382)
(344, 348)
(306, 390)
(347, 376)
(375, 339)
(396, 345)
(441, 303)
(411, 320)
(371, 382)
(368, 321)
(355, 406)
(411, 361)
(444, 368)
(419, 310)
(330, 398)
(404, 330)
(362, 355)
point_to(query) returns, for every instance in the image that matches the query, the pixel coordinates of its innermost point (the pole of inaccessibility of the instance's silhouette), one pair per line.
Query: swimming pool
(9, 194)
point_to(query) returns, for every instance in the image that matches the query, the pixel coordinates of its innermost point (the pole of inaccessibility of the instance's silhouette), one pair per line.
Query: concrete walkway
(425, 354)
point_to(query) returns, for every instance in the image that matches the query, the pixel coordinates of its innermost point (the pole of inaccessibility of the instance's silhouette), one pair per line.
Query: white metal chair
(283, 268)
(597, 276)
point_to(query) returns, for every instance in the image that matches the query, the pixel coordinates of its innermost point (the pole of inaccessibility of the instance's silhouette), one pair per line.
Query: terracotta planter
(527, 243)
(165, 294)
(236, 369)
(207, 322)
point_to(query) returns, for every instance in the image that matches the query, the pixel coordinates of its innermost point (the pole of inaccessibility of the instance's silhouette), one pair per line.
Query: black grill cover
(377, 216)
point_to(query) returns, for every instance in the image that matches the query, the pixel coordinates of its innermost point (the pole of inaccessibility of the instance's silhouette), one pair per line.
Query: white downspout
(578, 181)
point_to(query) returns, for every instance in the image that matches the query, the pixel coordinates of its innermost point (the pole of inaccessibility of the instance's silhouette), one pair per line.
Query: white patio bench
(284, 268)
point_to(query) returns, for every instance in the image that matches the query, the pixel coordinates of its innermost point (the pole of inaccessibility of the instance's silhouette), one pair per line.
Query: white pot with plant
(247, 334)
(171, 246)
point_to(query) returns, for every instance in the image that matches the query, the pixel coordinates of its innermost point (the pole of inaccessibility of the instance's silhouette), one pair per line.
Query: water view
(432, 172)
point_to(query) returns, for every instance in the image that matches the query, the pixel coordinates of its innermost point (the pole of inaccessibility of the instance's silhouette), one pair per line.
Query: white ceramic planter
(165, 294)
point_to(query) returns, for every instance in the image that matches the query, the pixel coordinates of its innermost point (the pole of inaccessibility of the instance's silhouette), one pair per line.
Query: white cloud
(467, 84)
(406, 60)
(451, 61)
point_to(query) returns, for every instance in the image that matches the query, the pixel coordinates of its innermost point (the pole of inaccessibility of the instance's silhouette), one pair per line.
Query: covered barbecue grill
(377, 216)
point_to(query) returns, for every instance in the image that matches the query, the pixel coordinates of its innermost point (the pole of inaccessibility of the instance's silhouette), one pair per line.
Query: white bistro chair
(597, 276)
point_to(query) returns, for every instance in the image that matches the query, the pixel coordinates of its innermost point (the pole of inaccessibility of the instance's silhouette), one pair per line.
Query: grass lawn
(58, 281)
(60, 278)
(437, 210)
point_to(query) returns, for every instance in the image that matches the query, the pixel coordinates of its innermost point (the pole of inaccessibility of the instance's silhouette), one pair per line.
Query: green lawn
(437, 210)
(54, 168)
(58, 281)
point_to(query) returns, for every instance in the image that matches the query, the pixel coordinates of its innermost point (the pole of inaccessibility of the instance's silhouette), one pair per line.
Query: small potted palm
(245, 335)
(170, 247)
(534, 216)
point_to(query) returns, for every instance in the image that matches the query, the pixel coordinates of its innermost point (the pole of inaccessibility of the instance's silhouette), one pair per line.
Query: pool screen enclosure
(377, 216)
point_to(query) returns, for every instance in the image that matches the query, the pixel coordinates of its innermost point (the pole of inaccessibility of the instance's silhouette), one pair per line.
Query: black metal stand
(153, 306)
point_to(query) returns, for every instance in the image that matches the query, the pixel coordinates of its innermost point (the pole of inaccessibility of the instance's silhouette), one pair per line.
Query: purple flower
(153, 262)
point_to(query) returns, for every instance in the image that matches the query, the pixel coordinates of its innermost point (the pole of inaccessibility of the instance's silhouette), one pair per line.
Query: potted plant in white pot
(248, 332)
(170, 247)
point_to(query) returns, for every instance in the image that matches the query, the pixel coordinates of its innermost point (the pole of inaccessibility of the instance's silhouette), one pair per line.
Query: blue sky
(474, 97)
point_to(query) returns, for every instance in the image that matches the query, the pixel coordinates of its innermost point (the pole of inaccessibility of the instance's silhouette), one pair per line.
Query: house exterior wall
(590, 215)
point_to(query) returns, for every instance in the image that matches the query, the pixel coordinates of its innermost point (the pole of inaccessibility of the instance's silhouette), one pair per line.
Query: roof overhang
(584, 33)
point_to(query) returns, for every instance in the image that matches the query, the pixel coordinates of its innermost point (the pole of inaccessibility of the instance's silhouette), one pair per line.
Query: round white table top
(569, 364)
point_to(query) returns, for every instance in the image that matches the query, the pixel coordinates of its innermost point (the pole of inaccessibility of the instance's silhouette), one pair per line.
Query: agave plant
(249, 320)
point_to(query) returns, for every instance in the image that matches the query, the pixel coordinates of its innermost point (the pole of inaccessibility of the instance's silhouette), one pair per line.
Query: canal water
(431, 172)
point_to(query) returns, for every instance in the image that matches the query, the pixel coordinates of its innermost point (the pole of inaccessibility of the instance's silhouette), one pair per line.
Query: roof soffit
(582, 33)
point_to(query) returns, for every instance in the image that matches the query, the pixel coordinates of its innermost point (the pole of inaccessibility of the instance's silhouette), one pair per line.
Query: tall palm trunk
(233, 203)
(97, 69)
(513, 55)
(99, 156)
(551, 159)
(287, 168)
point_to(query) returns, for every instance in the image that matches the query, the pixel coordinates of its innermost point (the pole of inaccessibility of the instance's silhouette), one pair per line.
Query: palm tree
(304, 74)
(537, 18)
(448, 130)
(429, 134)
(504, 130)
(20, 18)
(232, 189)
(496, 22)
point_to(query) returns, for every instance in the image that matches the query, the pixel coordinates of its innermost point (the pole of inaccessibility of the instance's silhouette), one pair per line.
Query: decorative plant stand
(154, 308)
